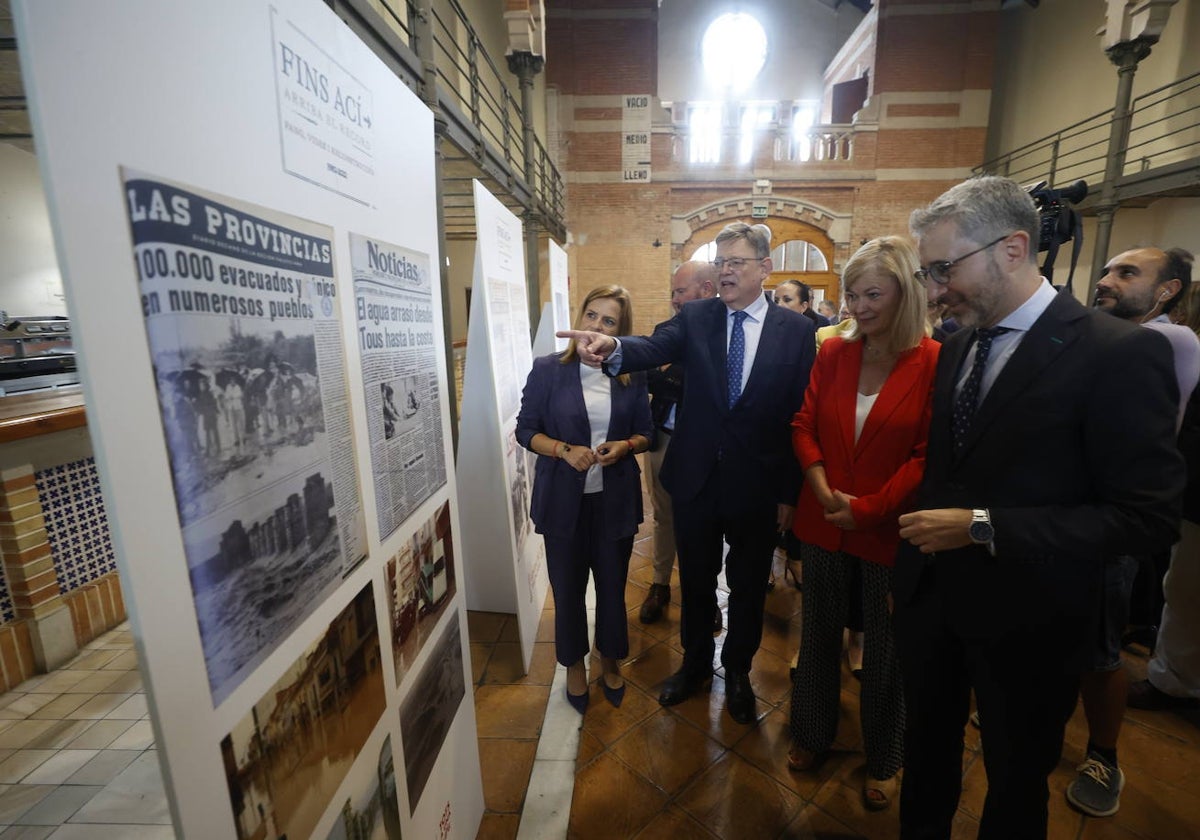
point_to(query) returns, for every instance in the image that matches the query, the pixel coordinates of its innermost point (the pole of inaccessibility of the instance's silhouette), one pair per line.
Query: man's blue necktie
(968, 398)
(736, 357)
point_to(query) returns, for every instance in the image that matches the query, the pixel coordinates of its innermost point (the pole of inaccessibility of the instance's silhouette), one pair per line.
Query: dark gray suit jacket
(749, 444)
(1072, 451)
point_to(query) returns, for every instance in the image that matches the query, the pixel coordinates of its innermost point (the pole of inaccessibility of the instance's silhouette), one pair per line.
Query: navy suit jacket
(749, 446)
(1072, 451)
(552, 404)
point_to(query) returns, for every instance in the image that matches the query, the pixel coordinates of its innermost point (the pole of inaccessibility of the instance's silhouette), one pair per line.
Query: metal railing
(469, 82)
(1165, 129)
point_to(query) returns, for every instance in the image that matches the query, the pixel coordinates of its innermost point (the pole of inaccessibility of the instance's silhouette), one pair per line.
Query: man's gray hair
(758, 236)
(983, 208)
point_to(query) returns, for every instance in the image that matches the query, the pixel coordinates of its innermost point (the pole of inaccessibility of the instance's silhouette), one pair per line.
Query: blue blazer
(750, 444)
(552, 404)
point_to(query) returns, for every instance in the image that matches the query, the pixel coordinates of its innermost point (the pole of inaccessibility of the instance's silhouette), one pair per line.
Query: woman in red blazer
(860, 439)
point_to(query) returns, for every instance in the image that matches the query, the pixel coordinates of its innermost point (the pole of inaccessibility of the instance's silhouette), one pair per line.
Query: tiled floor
(77, 758)
(689, 772)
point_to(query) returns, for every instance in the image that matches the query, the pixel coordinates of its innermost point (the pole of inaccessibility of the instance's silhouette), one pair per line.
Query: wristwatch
(982, 532)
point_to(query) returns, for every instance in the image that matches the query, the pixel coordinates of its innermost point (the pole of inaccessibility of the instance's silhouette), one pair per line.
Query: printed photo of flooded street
(286, 758)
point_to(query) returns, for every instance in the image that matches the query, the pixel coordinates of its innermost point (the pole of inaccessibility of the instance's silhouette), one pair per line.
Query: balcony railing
(470, 83)
(1164, 130)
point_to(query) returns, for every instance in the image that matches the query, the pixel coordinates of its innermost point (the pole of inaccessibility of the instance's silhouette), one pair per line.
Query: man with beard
(1140, 286)
(1049, 448)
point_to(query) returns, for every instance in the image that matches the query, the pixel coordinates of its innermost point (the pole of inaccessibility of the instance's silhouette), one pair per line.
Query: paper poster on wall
(393, 302)
(560, 292)
(230, 406)
(286, 758)
(326, 115)
(429, 709)
(241, 317)
(635, 138)
(421, 582)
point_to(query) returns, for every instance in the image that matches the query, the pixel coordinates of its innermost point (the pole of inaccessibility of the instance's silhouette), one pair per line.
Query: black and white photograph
(373, 811)
(239, 307)
(287, 757)
(421, 585)
(520, 489)
(430, 707)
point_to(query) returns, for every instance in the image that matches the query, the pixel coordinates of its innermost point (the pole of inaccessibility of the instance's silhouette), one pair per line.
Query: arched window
(733, 51)
(798, 255)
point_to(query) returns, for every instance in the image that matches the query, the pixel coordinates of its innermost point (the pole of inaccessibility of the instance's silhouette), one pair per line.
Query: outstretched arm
(593, 347)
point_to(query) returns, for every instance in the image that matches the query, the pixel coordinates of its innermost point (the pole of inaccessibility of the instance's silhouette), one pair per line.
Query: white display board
(556, 312)
(505, 558)
(244, 209)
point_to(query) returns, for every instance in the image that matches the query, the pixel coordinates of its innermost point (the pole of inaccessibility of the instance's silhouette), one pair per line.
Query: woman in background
(860, 438)
(587, 493)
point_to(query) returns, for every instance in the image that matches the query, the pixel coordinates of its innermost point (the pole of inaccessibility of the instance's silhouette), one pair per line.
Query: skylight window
(733, 52)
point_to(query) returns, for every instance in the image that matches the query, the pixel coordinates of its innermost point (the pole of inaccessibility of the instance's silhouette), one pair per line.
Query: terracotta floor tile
(510, 631)
(507, 666)
(652, 666)
(766, 747)
(510, 711)
(667, 751)
(674, 824)
(770, 678)
(608, 723)
(845, 799)
(668, 625)
(1154, 809)
(498, 827)
(599, 787)
(707, 713)
(485, 627)
(506, 765)
(732, 779)
(480, 654)
(778, 637)
(545, 631)
(812, 823)
(589, 748)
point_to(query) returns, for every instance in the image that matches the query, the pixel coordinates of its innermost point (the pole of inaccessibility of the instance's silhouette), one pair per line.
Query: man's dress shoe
(739, 697)
(680, 686)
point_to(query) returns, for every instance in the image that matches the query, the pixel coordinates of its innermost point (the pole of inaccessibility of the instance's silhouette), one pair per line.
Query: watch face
(982, 532)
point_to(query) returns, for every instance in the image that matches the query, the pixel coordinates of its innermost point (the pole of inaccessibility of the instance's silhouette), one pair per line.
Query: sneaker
(1097, 789)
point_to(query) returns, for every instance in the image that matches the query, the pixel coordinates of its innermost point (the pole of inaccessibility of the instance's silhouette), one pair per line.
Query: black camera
(1059, 222)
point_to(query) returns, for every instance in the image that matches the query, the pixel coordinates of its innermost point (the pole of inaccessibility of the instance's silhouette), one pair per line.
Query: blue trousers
(568, 561)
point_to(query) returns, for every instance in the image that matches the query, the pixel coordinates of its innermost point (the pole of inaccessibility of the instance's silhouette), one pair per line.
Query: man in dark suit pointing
(1051, 446)
(730, 469)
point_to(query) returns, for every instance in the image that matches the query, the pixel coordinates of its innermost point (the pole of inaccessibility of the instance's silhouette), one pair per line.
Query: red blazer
(886, 465)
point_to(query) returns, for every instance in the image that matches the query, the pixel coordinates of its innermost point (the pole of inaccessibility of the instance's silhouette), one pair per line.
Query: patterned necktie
(736, 357)
(968, 398)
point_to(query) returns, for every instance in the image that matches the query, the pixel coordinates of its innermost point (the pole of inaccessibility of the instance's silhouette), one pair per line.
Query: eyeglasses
(939, 272)
(734, 263)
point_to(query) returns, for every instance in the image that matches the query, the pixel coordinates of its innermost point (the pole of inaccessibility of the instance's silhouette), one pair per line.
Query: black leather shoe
(681, 685)
(739, 697)
(656, 601)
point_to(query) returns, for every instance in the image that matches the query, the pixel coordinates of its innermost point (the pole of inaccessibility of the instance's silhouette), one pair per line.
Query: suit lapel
(769, 337)
(718, 350)
(845, 391)
(1050, 335)
(896, 389)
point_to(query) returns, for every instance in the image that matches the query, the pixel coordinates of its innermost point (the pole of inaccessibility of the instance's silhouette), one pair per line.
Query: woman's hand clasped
(579, 457)
(611, 451)
(838, 511)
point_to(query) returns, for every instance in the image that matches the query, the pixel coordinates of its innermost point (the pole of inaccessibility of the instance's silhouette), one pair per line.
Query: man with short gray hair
(1032, 477)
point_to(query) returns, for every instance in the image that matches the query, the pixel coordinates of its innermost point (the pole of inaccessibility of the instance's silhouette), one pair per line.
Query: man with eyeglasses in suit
(1050, 447)
(730, 469)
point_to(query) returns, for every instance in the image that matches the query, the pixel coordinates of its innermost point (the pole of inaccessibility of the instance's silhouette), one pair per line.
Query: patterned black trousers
(816, 686)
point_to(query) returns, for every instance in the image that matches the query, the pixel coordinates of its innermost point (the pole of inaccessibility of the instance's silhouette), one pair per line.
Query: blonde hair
(896, 256)
(624, 321)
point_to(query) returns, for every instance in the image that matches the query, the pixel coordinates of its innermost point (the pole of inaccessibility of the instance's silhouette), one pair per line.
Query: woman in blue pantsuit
(587, 493)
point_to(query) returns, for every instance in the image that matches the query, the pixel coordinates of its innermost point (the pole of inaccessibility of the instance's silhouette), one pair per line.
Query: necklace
(876, 353)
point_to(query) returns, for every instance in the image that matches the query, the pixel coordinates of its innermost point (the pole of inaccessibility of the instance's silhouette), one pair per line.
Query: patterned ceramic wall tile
(76, 523)
(7, 613)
